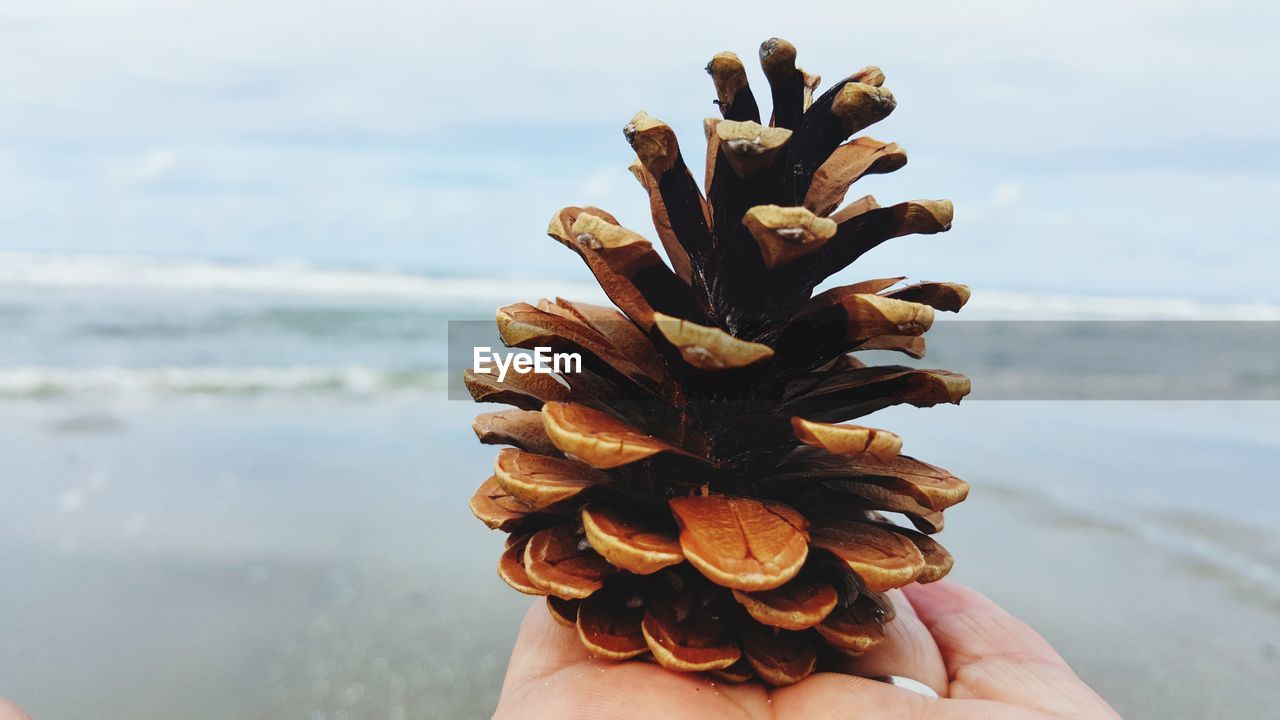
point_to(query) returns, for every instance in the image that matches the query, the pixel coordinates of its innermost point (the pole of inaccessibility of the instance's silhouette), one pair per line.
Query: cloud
(600, 185)
(140, 171)
(1006, 194)
(157, 162)
(380, 134)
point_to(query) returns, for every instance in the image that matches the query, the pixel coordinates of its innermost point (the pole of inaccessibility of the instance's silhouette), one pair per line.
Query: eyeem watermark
(542, 361)
(1016, 360)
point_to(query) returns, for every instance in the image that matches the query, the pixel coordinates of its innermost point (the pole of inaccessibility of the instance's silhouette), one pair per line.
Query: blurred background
(232, 234)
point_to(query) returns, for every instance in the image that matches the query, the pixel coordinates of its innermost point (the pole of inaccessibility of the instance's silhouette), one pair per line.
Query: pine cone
(691, 494)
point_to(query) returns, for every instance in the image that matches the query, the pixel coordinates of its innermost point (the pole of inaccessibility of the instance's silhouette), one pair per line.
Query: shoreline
(303, 554)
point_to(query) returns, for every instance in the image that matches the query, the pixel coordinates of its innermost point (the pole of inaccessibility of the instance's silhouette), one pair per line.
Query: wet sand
(253, 557)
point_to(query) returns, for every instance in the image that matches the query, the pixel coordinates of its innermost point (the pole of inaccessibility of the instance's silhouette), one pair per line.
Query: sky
(1122, 148)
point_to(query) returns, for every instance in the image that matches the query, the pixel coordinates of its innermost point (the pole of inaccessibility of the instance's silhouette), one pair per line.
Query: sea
(238, 490)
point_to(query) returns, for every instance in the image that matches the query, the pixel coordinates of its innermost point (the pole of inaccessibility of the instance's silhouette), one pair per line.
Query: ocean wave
(998, 305)
(1239, 554)
(286, 277)
(47, 382)
(295, 277)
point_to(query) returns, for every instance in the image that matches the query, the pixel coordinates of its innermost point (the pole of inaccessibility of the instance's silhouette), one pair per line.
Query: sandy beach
(267, 556)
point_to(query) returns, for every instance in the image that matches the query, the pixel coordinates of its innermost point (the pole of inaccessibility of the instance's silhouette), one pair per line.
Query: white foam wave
(996, 305)
(283, 277)
(41, 382)
(301, 278)
(1243, 563)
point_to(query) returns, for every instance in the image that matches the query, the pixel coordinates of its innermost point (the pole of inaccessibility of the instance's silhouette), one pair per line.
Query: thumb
(991, 655)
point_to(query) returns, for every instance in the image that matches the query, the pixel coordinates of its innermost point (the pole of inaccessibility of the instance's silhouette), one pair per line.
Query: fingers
(969, 628)
(992, 655)
(9, 711)
(828, 696)
(908, 651)
(542, 647)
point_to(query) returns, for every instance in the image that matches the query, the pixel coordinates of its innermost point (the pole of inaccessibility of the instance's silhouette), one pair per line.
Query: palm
(611, 689)
(988, 663)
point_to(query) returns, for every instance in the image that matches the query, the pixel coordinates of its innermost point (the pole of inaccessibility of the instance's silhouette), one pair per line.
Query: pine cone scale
(695, 496)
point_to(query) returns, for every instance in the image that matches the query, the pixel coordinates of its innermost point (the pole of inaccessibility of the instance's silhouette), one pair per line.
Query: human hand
(9, 711)
(982, 662)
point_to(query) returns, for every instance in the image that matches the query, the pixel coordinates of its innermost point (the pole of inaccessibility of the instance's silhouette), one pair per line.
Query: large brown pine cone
(692, 495)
